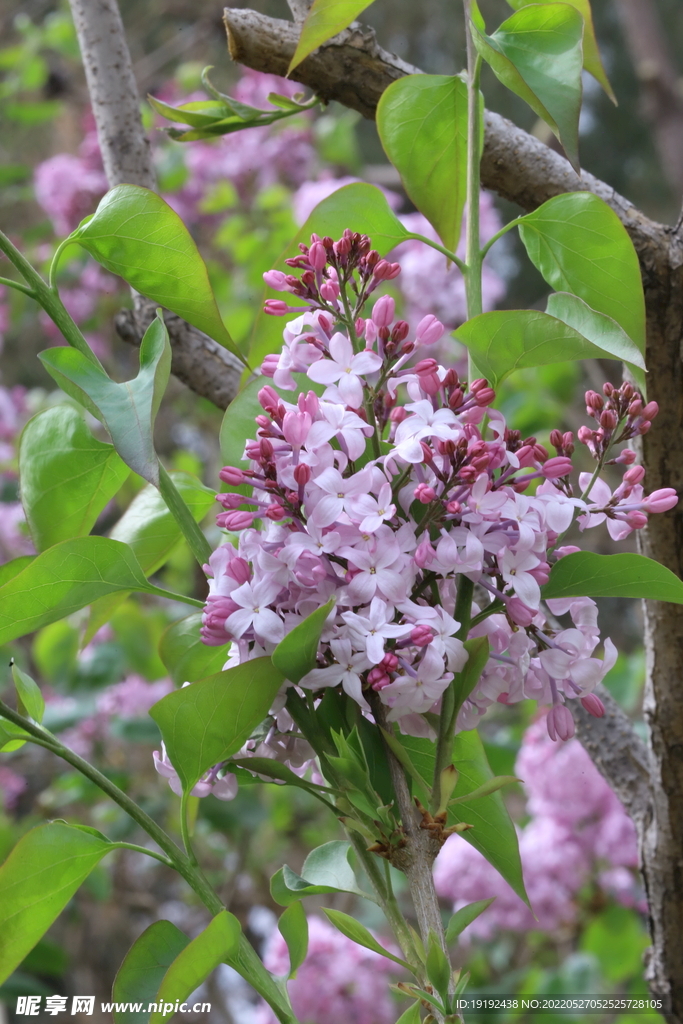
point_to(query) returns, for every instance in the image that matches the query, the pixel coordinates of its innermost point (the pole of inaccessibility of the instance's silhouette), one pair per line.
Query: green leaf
(29, 698)
(185, 656)
(402, 755)
(37, 880)
(197, 960)
(325, 19)
(538, 55)
(63, 579)
(493, 833)
(127, 410)
(438, 967)
(466, 915)
(591, 54)
(600, 329)
(11, 569)
(135, 234)
(326, 869)
(148, 526)
(478, 655)
(295, 656)
(360, 207)
(358, 933)
(144, 967)
(513, 339)
(10, 736)
(411, 1015)
(293, 927)
(585, 574)
(490, 786)
(67, 475)
(276, 771)
(422, 124)
(197, 115)
(580, 246)
(205, 723)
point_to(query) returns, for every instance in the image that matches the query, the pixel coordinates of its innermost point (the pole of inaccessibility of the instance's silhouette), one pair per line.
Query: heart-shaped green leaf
(325, 19)
(127, 410)
(580, 246)
(207, 722)
(592, 61)
(511, 339)
(538, 55)
(135, 234)
(193, 965)
(67, 475)
(422, 123)
(585, 574)
(143, 969)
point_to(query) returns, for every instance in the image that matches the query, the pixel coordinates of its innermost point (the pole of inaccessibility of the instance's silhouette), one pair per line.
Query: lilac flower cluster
(396, 511)
(578, 833)
(338, 982)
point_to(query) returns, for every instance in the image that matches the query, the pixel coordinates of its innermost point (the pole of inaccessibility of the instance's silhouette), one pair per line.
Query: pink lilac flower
(11, 788)
(338, 982)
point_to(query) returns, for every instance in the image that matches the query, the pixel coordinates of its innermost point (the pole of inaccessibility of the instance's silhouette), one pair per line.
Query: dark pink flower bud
(455, 399)
(269, 365)
(398, 414)
(400, 331)
(644, 427)
(451, 379)
(238, 570)
(608, 419)
(276, 307)
(424, 553)
(485, 396)
(454, 508)
(635, 408)
(431, 384)
(424, 493)
(567, 549)
(593, 705)
(329, 291)
(265, 449)
(317, 256)
(526, 456)
(302, 474)
(380, 680)
(232, 476)
(389, 662)
(556, 438)
(650, 411)
(503, 698)
(560, 723)
(634, 475)
(661, 500)
(594, 401)
(269, 399)
(541, 573)
(556, 467)
(383, 311)
(421, 636)
(585, 435)
(427, 453)
(229, 501)
(478, 384)
(276, 279)
(343, 246)
(425, 367)
(235, 520)
(626, 458)
(275, 512)
(519, 612)
(447, 447)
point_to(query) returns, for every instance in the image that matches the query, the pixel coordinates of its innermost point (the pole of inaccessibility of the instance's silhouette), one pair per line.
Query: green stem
(18, 286)
(499, 234)
(185, 830)
(49, 300)
(460, 264)
(143, 849)
(197, 542)
(55, 261)
(177, 858)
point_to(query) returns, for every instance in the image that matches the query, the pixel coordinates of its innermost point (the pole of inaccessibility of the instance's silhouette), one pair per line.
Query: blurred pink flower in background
(578, 832)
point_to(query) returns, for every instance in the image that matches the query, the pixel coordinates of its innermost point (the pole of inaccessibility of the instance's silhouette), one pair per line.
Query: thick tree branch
(208, 368)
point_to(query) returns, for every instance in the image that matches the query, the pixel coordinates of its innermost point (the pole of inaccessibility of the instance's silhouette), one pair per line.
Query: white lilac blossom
(578, 832)
(397, 511)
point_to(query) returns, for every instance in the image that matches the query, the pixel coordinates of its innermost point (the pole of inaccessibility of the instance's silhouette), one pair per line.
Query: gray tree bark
(353, 69)
(127, 159)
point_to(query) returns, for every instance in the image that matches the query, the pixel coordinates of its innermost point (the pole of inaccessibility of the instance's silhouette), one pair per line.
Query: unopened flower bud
(229, 501)
(275, 512)
(421, 636)
(650, 411)
(585, 435)
(429, 330)
(424, 493)
(557, 439)
(635, 408)
(398, 414)
(556, 467)
(265, 449)
(520, 614)
(329, 290)
(276, 307)
(478, 384)
(317, 256)
(400, 331)
(238, 570)
(235, 520)
(567, 549)
(593, 705)
(451, 379)
(454, 508)
(594, 402)
(661, 500)
(627, 457)
(383, 311)
(268, 399)
(276, 279)
(455, 399)
(302, 474)
(295, 427)
(634, 475)
(608, 419)
(424, 554)
(560, 723)
(485, 396)
(389, 662)
(232, 476)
